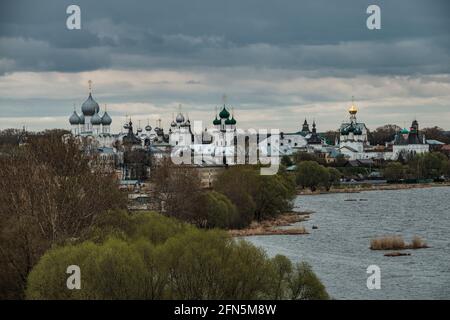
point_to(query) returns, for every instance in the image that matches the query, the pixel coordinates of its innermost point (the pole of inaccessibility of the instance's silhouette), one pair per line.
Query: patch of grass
(388, 243)
(418, 243)
(396, 243)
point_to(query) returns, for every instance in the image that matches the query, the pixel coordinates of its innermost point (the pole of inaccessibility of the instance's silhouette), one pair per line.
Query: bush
(255, 196)
(394, 171)
(418, 243)
(219, 211)
(396, 243)
(185, 263)
(388, 243)
(311, 175)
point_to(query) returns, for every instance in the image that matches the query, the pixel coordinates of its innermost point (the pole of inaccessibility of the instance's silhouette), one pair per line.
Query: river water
(339, 249)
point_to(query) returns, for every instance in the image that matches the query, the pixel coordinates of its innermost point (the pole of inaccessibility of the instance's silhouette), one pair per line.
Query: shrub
(387, 243)
(396, 243)
(418, 243)
(311, 175)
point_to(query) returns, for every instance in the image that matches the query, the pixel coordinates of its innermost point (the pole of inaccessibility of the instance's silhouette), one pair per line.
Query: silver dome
(74, 118)
(106, 119)
(81, 119)
(148, 128)
(90, 106)
(180, 118)
(96, 119)
(173, 124)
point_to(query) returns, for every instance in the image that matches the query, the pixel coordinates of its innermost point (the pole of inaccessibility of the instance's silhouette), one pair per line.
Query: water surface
(339, 249)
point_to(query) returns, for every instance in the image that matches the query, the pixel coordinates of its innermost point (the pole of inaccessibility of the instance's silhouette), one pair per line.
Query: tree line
(150, 256)
(432, 165)
(239, 195)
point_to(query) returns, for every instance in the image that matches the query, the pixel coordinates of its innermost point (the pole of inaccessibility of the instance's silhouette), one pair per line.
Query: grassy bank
(367, 187)
(271, 226)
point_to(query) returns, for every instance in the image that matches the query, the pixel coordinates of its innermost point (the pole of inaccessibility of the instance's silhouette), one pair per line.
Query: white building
(353, 139)
(409, 143)
(89, 123)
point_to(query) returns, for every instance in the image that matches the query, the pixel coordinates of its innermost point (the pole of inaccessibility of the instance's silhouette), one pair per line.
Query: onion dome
(139, 130)
(148, 128)
(352, 128)
(216, 121)
(90, 106)
(180, 118)
(224, 114)
(173, 124)
(106, 119)
(352, 109)
(228, 122)
(187, 123)
(233, 120)
(81, 118)
(74, 119)
(404, 131)
(96, 119)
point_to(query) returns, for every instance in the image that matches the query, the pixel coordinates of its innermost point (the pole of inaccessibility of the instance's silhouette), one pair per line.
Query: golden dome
(353, 109)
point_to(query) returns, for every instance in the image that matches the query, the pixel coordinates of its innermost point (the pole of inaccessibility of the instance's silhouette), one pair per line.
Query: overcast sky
(278, 61)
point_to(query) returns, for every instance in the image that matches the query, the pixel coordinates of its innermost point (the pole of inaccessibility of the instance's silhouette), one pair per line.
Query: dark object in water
(363, 199)
(350, 200)
(315, 227)
(396, 254)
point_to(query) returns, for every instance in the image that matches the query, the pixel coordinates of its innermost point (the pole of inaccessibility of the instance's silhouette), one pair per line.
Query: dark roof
(359, 163)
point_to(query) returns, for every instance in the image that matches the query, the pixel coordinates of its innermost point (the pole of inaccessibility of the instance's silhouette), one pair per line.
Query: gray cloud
(327, 36)
(278, 60)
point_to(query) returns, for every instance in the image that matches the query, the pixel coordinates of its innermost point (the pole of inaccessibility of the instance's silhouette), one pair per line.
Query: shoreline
(271, 227)
(381, 187)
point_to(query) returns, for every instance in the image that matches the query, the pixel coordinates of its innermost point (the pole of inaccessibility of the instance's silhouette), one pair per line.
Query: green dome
(216, 121)
(404, 131)
(233, 121)
(224, 114)
(228, 121)
(351, 128)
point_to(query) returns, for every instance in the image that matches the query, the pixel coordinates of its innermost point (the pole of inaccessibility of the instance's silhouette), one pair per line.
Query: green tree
(311, 175)
(394, 171)
(220, 212)
(430, 165)
(239, 184)
(334, 178)
(304, 284)
(256, 196)
(286, 161)
(274, 196)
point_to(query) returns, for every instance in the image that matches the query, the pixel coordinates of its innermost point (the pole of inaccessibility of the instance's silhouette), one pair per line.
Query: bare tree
(49, 193)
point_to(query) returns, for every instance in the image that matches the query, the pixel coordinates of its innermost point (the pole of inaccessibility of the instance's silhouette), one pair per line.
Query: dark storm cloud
(327, 36)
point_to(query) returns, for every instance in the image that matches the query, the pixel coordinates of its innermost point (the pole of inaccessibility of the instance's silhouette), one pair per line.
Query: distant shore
(272, 226)
(374, 187)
